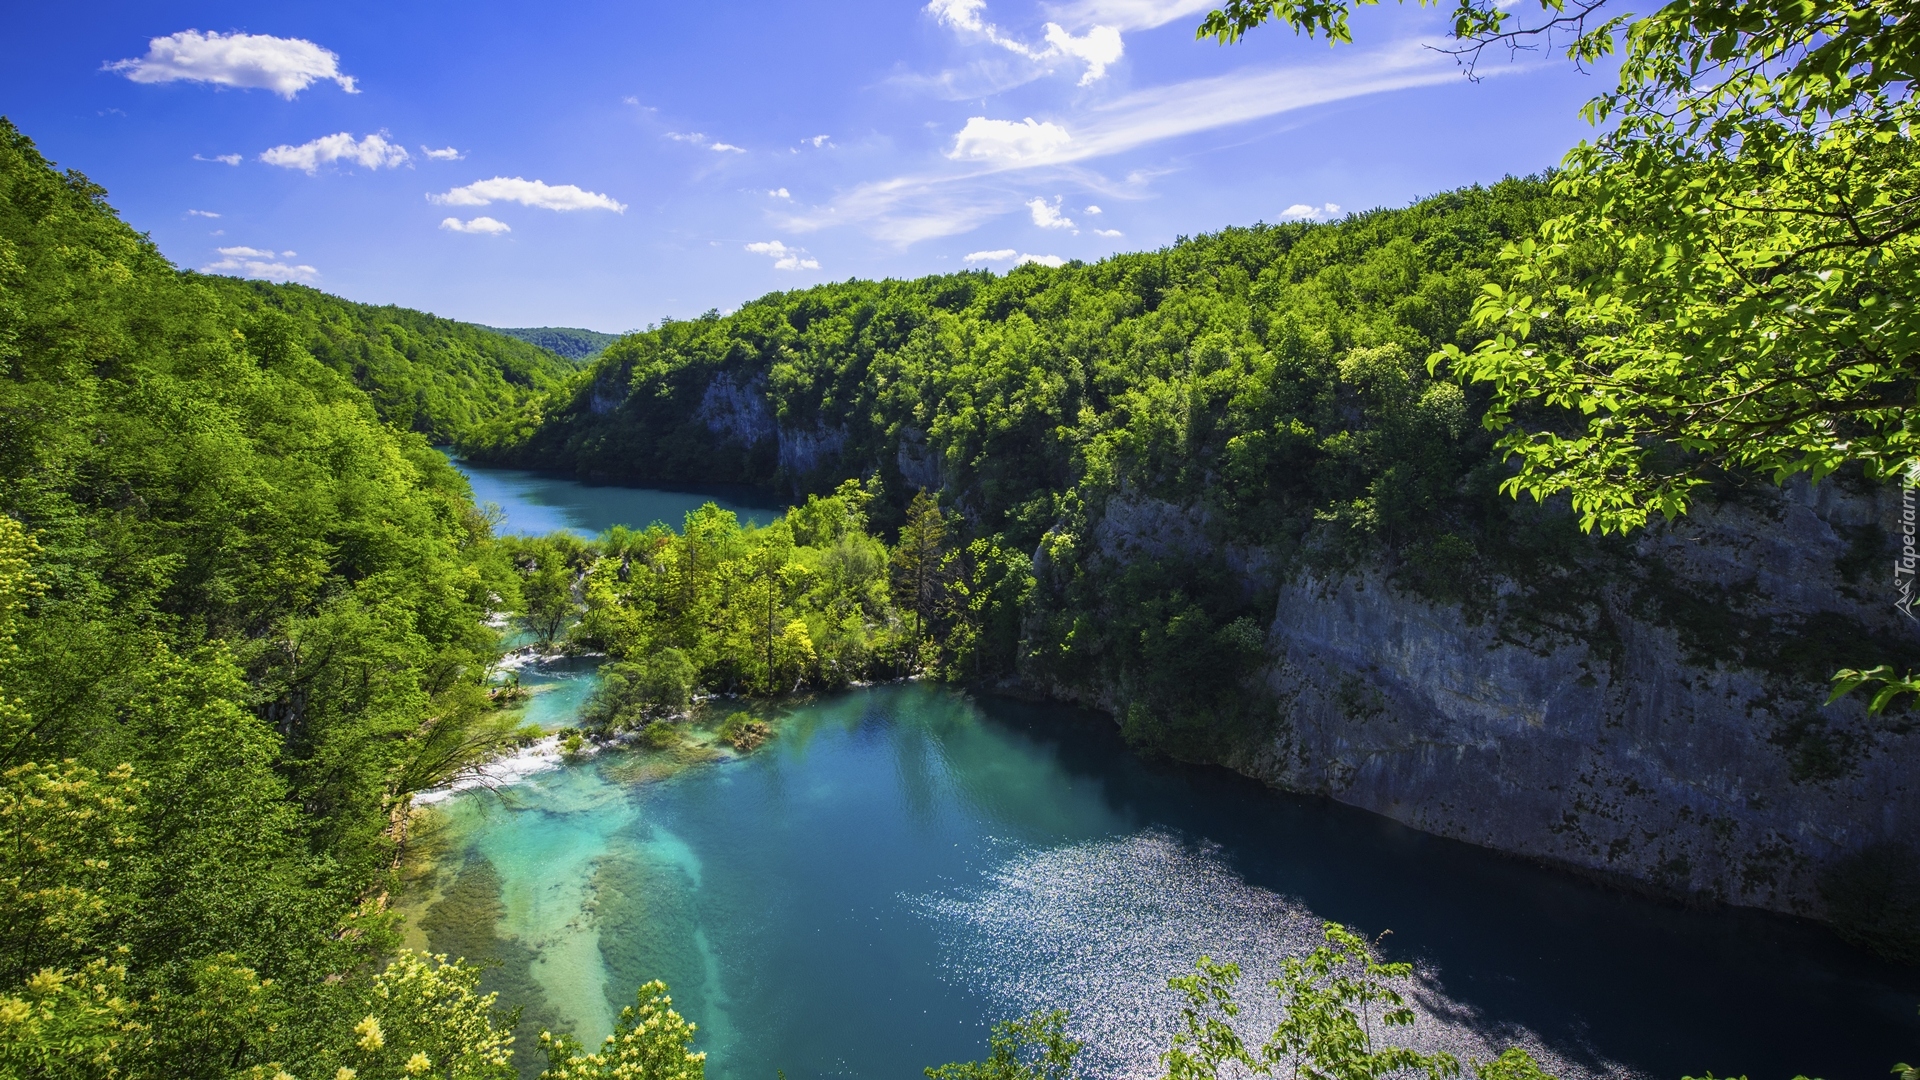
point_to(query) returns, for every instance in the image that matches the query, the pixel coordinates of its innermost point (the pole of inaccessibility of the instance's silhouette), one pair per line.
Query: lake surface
(905, 865)
(538, 503)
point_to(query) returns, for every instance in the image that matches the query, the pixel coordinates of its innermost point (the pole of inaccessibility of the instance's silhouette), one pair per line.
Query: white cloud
(1007, 143)
(288, 254)
(1047, 214)
(1097, 48)
(253, 263)
(818, 141)
(1108, 232)
(285, 66)
(1092, 210)
(483, 225)
(447, 153)
(784, 257)
(727, 146)
(1005, 254)
(528, 193)
(224, 159)
(202, 213)
(780, 193)
(372, 152)
(1303, 212)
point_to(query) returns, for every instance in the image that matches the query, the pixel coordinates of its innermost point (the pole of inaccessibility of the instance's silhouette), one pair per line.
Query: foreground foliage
(1330, 1001)
(241, 619)
(1731, 286)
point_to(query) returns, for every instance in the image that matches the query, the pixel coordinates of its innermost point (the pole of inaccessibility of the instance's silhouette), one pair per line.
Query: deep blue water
(905, 865)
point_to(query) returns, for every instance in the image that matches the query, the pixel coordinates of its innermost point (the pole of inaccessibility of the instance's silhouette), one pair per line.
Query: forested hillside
(240, 620)
(1274, 376)
(435, 376)
(568, 341)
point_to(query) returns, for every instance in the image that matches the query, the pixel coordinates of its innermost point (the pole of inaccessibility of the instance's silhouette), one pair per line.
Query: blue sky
(605, 165)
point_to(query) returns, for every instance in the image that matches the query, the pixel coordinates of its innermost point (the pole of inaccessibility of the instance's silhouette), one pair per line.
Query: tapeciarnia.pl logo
(1904, 567)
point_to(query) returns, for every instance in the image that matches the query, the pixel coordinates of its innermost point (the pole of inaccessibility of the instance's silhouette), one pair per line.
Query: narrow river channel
(905, 865)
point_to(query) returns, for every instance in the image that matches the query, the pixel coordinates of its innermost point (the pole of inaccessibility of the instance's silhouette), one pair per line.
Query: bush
(635, 693)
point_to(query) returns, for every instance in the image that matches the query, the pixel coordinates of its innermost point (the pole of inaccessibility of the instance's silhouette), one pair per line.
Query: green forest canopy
(423, 373)
(568, 341)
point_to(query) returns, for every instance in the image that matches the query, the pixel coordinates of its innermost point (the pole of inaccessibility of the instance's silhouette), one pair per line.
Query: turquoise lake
(905, 865)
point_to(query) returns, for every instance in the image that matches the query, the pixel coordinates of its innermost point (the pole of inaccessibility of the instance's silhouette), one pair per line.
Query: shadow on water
(1598, 973)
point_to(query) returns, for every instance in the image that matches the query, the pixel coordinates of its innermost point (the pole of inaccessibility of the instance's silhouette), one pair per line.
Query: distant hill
(569, 341)
(436, 376)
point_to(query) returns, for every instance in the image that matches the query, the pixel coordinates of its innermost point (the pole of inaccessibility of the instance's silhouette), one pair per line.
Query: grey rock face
(1622, 751)
(918, 462)
(806, 450)
(736, 412)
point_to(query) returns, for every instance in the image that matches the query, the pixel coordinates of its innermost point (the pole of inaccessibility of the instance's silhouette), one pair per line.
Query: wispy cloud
(372, 152)
(997, 255)
(784, 257)
(528, 193)
(1108, 232)
(446, 153)
(220, 159)
(699, 138)
(482, 225)
(255, 263)
(285, 66)
(963, 194)
(780, 193)
(1099, 47)
(202, 213)
(1128, 14)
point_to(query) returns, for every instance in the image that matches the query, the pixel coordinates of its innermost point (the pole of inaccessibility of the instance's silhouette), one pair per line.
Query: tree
(917, 559)
(633, 693)
(548, 595)
(1734, 286)
(1034, 1047)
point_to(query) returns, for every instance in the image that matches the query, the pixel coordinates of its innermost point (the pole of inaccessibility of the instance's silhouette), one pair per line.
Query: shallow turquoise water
(905, 865)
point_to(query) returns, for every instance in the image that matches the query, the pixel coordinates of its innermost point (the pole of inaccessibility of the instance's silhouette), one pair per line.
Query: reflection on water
(905, 865)
(537, 503)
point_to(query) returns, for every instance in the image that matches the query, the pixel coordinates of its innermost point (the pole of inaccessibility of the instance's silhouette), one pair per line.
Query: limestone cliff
(1661, 735)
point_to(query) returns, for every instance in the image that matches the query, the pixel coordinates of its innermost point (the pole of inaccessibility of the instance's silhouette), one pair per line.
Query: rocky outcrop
(740, 414)
(1626, 744)
(919, 463)
(737, 412)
